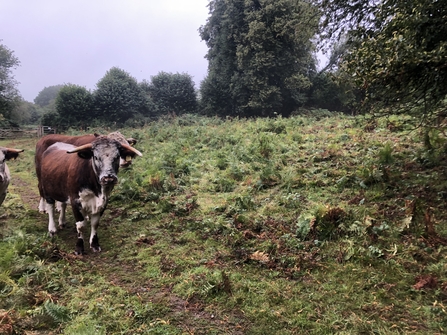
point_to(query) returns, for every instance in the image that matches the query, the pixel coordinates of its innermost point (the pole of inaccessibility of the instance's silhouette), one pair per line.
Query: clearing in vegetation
(316, 224)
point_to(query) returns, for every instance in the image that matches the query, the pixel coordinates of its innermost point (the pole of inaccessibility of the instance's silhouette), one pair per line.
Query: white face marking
(106, 161)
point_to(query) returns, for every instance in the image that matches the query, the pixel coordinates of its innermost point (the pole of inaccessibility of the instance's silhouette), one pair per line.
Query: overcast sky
(78, 41)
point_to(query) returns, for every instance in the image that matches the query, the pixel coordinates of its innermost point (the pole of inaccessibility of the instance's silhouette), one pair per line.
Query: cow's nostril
(109, 180)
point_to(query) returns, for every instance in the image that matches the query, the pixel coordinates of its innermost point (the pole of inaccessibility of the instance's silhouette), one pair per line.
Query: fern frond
(57, 312)
(7, 285)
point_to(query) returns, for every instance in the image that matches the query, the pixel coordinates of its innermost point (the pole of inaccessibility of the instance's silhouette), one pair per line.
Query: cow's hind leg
(2, 197)
(94, 240)
(51, 224)
(80, 224)
(42, 205)
(61, 207)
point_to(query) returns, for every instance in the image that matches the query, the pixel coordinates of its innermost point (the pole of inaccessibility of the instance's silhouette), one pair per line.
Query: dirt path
(28, 193)
(191, 316)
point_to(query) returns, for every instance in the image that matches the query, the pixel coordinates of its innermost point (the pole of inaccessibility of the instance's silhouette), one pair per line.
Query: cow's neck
(95, 202)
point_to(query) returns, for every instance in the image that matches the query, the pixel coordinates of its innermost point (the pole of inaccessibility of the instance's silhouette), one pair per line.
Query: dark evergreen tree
(260, 56)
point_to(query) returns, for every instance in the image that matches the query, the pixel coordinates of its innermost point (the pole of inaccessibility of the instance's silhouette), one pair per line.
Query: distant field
(315, 224)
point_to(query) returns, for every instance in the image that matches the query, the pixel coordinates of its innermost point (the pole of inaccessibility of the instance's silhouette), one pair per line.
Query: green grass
(307, 225)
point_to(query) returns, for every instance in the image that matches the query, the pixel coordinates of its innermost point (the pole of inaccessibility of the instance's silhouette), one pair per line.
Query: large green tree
(172, 93)
(9, 95)
(118, 97)
(397, 53)
(260, 56)
(74, 106)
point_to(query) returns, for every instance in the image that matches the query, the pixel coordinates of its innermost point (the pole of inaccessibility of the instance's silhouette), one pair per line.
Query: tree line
(385, 56)
(118, 100)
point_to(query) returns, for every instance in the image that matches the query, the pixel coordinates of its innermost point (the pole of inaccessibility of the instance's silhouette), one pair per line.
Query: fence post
(45, 130)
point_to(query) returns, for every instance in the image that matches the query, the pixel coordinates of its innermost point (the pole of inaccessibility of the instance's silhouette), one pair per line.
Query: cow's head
(5, 155)
(116, 135)
(106, 154)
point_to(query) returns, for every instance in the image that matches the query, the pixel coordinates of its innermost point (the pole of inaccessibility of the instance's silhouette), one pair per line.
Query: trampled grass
(307, 225)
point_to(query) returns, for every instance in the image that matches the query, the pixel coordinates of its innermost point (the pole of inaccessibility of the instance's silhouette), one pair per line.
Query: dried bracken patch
(6, 322)
(425, 282)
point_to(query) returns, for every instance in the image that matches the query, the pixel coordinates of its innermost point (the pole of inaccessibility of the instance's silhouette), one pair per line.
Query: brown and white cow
(5, 176)
(49, 140)
(84, 179)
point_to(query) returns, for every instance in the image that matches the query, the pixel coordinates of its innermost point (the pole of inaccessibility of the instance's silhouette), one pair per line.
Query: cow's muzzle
(109, 180)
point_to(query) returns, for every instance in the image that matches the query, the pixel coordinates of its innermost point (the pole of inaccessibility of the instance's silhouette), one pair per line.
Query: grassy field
(315, 224)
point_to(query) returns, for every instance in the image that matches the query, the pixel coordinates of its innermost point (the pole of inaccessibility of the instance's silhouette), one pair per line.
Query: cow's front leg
(79, 250)
(49, 208)
(94, 240)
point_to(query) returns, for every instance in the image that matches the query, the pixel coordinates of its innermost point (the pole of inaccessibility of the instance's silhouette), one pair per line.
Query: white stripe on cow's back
(61, 146)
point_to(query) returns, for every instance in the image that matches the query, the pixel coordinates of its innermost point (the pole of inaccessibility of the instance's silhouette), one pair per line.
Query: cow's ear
(127, 155)
(85, 154)
(11, 153)
(131, 141)
(84, 151)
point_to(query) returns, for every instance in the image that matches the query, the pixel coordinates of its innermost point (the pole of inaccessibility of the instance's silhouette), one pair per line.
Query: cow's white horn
(82, 147)
(128, 147)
